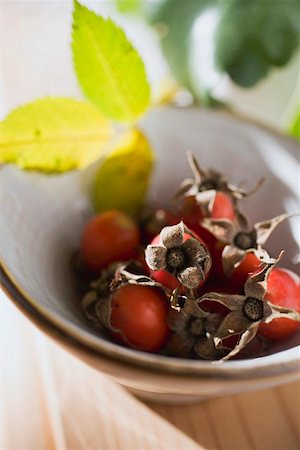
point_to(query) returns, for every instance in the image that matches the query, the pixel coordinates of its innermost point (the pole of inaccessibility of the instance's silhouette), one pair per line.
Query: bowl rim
(249, 368)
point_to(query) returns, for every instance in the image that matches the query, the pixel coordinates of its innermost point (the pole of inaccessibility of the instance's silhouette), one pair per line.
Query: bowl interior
(42, 216)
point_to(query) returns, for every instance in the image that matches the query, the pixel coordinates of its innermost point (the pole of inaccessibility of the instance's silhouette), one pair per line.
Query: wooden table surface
(50, 400)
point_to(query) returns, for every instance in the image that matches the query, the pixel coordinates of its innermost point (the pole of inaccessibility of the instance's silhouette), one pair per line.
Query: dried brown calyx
(96, 303)
(132, 273)
(187, 259)
(193, 332)
(247, 311)
(241, 240)
(205, 185)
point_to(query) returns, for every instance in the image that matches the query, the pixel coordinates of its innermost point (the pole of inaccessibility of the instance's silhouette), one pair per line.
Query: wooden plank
(289, 398)
(227, 425)
(266, 422)
(22, 394)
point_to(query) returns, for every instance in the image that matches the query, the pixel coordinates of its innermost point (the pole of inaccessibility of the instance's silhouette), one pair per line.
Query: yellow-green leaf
(295, 126)
(123, 178)
(54, 135)
(125, 6)
(110, 71)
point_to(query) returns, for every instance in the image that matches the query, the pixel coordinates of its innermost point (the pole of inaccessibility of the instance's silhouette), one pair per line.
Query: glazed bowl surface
(42, 219)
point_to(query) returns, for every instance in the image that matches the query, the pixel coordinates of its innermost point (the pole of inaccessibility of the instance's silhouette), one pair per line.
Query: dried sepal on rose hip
(247, 311)
(95, 303)
(132, 307)
(133, 273)
(193, 332)
(180, 254)
(214, 195)
(241, 241)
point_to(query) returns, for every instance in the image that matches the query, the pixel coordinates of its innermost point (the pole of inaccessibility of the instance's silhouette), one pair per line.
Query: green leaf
(123, 178)
(254, 36)
(125, 6)
(53, 135)
(295, 127)
(110, 71)
(209, 101)
(174, 19)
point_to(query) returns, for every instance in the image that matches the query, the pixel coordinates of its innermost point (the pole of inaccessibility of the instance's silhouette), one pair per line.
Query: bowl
(42, 219)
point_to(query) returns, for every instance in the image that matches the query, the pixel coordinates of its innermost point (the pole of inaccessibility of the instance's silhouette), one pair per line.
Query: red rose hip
(108, 237)
(283, 290)
(140, 315)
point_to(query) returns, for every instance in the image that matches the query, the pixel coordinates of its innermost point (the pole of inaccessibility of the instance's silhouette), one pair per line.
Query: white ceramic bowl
(41, 221)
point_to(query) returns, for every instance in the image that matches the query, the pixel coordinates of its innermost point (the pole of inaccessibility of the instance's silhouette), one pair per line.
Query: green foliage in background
(174, 20)
(295, 126)
(128, 5)
(254, 36)
(251, 36)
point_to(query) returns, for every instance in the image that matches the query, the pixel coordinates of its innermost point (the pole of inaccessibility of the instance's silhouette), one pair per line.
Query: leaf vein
(55, 139)
(109, 69)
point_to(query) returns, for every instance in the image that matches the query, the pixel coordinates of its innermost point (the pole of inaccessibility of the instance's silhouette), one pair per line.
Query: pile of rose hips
(193, 282)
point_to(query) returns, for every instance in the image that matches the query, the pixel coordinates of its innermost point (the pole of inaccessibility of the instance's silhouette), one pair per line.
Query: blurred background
(239, 54)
